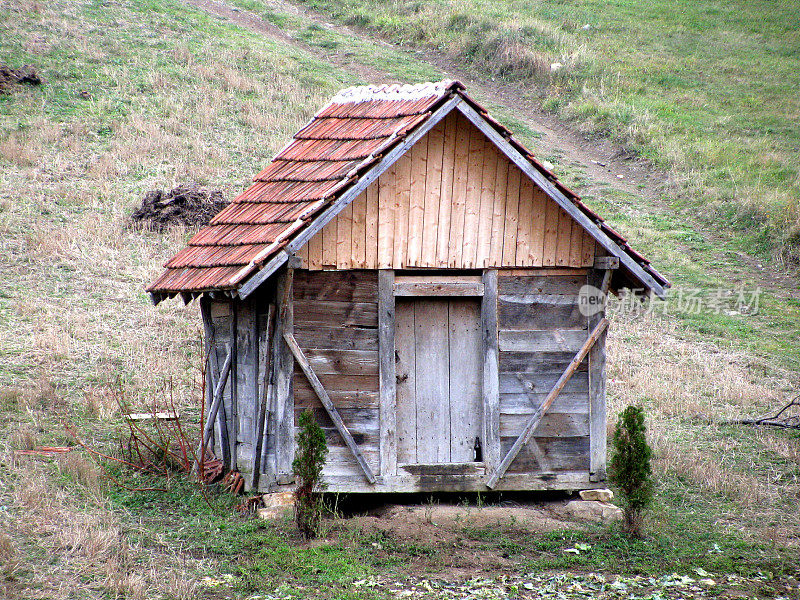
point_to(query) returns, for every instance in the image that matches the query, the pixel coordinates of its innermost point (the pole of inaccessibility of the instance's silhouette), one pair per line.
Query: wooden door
(438, 350)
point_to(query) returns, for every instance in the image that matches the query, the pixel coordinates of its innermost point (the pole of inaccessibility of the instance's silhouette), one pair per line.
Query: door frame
(392, 284)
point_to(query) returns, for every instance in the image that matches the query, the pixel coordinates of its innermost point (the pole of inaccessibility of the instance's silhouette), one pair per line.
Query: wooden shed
(410, 272)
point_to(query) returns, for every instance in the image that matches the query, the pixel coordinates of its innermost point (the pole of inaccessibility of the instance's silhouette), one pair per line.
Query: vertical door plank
(446, 198)
(386, 216)
(466, 369)
(455, 248)
(402, 202)
(472, 208)
(433, 394)
(405, 369)
(433, 194)
(419, 164)
(371, 243)
(488, 180)
(499, 213)
(358, 256)
(512, 217)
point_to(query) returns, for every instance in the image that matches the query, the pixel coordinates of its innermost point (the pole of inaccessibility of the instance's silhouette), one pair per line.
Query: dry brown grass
(688, 387)
(95, 557)
(73, 312)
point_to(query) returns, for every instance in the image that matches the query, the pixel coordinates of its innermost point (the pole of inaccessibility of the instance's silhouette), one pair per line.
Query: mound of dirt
(184, 205)
(10, 77)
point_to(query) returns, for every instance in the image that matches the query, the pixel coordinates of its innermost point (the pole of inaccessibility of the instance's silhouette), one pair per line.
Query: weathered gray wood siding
(240, 326)
(540, 329)
(336, 326)
(246, 382)
(219, 328)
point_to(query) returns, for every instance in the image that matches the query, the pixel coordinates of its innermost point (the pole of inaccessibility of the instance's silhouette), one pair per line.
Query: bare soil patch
(10, 77)
(443, 523)
(190, 205)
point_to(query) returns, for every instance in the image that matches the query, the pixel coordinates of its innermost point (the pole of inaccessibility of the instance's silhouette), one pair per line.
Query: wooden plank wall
(241, 324)
(540, 329)
(454, 200)
(246, 382)
(336, 326)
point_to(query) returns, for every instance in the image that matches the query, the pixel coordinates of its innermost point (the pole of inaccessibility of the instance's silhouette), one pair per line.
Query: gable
(354, 142)
(453, 200)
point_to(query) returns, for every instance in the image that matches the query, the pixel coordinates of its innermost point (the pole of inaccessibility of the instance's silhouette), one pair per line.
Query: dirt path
(601, 160)
(604, 163)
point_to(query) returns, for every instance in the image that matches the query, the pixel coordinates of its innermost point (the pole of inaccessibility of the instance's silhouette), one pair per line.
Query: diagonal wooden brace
(216, 401)
(328, 404)
(536, 417)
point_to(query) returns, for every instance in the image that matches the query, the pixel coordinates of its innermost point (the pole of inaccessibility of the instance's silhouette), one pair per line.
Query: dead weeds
(10, 77)
(189, 205)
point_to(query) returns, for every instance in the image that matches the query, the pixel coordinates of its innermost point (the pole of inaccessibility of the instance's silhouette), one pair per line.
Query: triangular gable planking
(452, 200)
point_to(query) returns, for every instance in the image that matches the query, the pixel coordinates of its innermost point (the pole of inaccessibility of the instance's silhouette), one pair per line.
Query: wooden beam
(536, 417)
(564, 202)
(490, 394)
(265, 368)
(284, 371)
(597, 386)
(316, 384)
(348, 196)
(386, 372)
(606, 262)
(438, 288)
(233, 424)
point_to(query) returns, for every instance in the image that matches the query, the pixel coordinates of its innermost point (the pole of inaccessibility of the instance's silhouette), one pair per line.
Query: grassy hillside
(139, 95)
(706, 89)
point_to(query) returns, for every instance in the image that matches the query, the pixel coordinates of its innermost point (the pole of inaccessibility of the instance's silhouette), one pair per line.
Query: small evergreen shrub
(312, 450)
(629, 469)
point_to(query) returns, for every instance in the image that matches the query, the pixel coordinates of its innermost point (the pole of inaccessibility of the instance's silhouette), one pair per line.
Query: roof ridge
(388, 92)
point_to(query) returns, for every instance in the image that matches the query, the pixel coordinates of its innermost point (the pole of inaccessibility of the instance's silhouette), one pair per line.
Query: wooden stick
(536, 417)
(316, 384)
(215, 404)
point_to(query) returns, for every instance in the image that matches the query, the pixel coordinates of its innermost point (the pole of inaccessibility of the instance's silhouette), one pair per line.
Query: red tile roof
(340, 143)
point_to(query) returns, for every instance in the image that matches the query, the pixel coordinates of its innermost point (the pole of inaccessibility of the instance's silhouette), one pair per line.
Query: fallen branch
(776, 420)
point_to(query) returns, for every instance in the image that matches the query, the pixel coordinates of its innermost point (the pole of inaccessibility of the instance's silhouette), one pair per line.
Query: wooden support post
(233, 422)
(491, 373)
(316, 384)
(597, 385)
(387, 373)
(284, 371)
(263, 374)
(536, 417)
